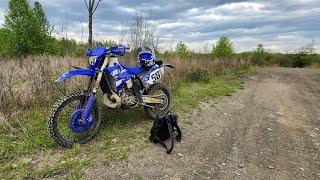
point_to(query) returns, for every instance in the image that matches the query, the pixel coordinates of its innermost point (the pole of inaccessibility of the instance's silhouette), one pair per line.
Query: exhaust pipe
(113, 102)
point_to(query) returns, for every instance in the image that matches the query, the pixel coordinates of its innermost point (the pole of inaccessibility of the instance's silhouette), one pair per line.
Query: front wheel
(63, 123)
(164, 94)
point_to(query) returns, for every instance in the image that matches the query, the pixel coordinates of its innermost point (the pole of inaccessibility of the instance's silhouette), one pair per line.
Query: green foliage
(305, 56)
(70, 47)
(283, 60)
(169, 54)
(22, 29)
(303, 59)
(4, 42)
(189, 94)
(260, 56)
(245, 55)
(26, 31)
(199, 75)
(46, 29)
(106, 43)
(182, 50)
(224, 48)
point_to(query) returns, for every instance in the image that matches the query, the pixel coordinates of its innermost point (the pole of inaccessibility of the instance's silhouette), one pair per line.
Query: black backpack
(163, 128)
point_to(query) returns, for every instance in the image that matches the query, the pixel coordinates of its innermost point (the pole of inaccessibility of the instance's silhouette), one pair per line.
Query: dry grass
(27, 91)
(183, 66)
(314, 66)
(29, 83)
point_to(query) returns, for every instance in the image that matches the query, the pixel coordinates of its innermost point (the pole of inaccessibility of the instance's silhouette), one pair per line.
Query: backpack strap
(178, 137)
(173, 120)
(171, 137)
(163, 144)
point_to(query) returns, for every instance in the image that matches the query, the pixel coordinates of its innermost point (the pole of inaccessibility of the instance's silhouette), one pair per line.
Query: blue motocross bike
(76, 118)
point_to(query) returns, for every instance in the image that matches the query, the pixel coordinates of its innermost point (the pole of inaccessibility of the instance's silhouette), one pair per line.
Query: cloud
(174, 25)
(279, 25)
(1, 16)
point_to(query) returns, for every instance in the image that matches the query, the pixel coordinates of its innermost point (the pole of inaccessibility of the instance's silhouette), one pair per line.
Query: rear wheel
(164, 94)
(63, 122)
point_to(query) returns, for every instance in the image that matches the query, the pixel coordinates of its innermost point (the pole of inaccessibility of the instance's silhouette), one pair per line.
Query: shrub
(182, 50)
(224, 48)
(303, 59)
(199, 75)
(305, 56)
(260, 56)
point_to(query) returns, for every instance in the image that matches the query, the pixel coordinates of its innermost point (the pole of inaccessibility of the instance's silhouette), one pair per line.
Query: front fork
(86, 113)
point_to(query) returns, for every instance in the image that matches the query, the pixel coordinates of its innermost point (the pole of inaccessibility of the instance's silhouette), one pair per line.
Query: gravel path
(270, 130)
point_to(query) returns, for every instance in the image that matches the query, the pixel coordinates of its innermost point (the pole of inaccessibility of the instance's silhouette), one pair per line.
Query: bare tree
(63, 34)
(124, 34)
(92, 6)
(66, 25)
(206, 48)
(173, 41)
(81, 19)
(139, 32)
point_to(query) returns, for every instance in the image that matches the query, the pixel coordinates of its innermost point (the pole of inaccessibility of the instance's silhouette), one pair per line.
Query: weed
(187, 122)
(139, 178)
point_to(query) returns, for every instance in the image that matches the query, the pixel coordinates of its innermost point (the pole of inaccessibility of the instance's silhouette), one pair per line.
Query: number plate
(154, 76)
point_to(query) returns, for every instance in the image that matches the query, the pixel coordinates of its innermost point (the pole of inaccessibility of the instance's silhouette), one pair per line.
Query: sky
(280, 25)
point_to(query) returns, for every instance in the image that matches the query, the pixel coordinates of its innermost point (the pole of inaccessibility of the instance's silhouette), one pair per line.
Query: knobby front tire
(58, 122)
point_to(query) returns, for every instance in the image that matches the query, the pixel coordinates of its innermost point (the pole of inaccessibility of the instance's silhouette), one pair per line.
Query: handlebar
(117, 50)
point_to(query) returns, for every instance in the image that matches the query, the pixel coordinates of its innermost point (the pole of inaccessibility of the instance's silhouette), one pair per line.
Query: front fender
(82, 72)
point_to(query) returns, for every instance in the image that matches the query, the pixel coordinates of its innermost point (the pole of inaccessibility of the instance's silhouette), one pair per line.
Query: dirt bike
(76, 117)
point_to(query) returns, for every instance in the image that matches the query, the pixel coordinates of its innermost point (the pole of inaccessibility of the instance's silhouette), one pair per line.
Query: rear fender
(77, 72)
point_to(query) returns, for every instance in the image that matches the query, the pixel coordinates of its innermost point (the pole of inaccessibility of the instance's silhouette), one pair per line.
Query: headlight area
(92, 60)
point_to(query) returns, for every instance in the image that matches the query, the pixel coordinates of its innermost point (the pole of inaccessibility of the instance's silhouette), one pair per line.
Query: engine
(128, 98)
(125, 98)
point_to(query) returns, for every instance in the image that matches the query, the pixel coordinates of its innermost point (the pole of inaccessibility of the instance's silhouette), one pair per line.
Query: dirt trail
(270, 130)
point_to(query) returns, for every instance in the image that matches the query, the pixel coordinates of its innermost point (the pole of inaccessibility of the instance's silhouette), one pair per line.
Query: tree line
(27, 31)
(224, 50)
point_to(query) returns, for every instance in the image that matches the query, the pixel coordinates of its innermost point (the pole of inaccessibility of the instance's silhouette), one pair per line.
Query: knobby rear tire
(54, 117)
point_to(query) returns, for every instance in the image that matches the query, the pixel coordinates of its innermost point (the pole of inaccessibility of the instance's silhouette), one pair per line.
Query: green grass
(188, 95)
(31, 153)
